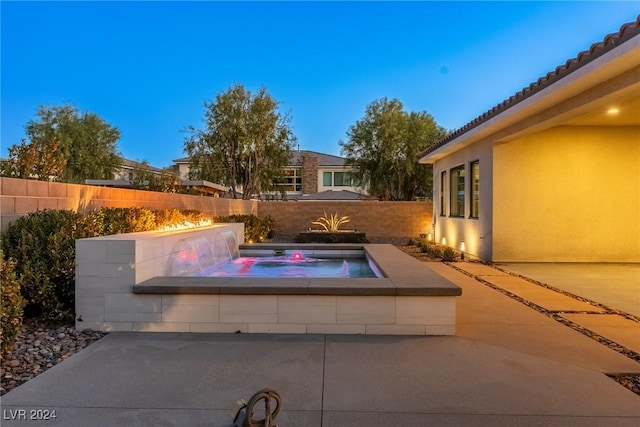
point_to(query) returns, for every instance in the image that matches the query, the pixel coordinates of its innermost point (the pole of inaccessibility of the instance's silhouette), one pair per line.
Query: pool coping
(404, 276)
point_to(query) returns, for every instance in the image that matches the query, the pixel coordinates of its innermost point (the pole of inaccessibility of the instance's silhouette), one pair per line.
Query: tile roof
(323, 159)
(610, 42)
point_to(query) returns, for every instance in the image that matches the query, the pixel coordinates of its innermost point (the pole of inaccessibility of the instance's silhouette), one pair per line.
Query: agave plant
(331, 222)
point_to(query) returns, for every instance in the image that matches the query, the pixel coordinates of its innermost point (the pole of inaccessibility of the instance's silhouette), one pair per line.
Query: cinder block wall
(376, 219)
(18, 197)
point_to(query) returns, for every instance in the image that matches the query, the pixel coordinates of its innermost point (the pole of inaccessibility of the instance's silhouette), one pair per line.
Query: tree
(65, 145)
(143, 178)
(383, 146)
(41, 159)
(246, 142)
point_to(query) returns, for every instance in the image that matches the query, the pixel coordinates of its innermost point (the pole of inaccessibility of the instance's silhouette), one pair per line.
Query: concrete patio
(509, 364)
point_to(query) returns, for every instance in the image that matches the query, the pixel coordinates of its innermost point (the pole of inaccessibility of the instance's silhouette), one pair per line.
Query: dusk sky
(148, 67)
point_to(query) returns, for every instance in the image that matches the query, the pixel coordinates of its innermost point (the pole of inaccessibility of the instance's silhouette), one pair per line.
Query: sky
(147, 68)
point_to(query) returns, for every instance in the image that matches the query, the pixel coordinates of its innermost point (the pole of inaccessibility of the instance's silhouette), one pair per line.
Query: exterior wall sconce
(462, 249)
(444, 241)
(430, 237)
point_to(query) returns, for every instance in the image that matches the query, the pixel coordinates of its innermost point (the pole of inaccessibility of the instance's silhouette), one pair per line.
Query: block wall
(19, 197)
(376, 219)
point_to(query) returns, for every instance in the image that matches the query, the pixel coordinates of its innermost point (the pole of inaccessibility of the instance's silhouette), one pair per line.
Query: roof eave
(617, 49)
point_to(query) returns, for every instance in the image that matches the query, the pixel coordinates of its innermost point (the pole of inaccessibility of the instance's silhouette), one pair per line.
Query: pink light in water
(297, 256)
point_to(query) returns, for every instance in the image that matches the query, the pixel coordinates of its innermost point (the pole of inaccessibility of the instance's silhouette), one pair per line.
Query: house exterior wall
(183, 170)
(569, 194)
(474, 232)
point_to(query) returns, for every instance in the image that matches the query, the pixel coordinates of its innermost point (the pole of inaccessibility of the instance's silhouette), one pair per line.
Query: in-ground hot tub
(122, 293)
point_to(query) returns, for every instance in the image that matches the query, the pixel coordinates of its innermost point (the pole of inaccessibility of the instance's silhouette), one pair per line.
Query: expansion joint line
(324, 366)
(608, 310)
(633, 355)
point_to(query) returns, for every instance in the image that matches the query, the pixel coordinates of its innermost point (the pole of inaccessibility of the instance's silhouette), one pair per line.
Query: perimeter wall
(376, 219)
(19, 197)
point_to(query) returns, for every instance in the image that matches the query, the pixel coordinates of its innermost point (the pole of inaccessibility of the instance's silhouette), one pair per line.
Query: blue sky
(148, 67)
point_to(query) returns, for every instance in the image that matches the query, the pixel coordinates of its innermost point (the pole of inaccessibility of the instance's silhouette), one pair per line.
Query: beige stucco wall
(476, 233)
(568, 194)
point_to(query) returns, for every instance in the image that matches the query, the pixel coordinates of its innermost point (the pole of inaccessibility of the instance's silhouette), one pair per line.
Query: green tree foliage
(382, 147)
(65, 145)
(245, 144)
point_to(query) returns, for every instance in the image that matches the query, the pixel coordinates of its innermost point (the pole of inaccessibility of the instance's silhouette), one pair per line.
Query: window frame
(457, 210)
(474, 189)
(443, 193)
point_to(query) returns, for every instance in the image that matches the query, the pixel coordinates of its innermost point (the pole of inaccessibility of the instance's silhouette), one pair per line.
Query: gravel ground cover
(38, 348)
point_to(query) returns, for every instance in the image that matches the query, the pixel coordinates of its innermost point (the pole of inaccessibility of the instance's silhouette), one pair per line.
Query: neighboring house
(124, 176)
(308, 173)
(128, 167)
(552, 173)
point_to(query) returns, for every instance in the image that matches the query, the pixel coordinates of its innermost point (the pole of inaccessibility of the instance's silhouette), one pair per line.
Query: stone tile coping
(403, 276)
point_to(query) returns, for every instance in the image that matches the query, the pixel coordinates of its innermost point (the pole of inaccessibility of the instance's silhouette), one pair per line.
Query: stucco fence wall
(19, 197)
(376, 219)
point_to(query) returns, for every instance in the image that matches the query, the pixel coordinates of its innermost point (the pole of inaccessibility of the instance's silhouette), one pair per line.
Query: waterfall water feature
(194, 256)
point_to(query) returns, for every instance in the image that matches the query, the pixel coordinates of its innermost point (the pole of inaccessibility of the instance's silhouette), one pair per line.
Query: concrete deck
(511, 363)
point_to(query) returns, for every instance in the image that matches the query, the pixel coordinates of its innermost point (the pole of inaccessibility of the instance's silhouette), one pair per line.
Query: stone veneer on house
(309, 174)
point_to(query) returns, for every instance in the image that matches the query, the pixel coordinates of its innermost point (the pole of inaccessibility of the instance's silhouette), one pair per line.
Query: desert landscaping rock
(40, 348)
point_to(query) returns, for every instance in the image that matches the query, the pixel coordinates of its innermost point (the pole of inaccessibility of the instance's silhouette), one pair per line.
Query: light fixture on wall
(430, 237)
(462, 249)
(444, 241)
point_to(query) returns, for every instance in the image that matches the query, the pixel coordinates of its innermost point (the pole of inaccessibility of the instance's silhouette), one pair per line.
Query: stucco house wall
(568, 194)
(476, 233)
(559, 164)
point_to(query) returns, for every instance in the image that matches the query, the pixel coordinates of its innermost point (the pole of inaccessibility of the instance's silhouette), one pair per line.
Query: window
(342, 179)
(443, 192)
(456, 195)
(475, 189)
(293, 180)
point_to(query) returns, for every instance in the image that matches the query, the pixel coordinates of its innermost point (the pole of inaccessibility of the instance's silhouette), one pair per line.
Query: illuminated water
(218, 255)
(292, 266)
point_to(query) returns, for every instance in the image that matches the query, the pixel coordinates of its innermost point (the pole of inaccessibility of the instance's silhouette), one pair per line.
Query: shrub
(448, 254)
(169, 217)
(43, 246)
(11, 304)
(256, 229)
(300, 238)
(127, 220)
